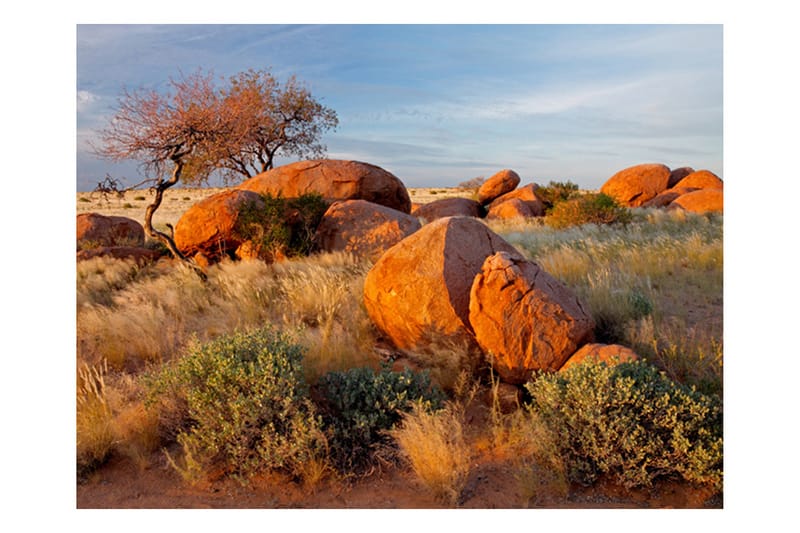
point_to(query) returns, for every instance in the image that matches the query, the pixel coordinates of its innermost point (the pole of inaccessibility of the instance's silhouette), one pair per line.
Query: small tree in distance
(193, 130)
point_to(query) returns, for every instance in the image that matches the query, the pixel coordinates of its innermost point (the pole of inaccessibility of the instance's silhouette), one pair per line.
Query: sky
(439, 104)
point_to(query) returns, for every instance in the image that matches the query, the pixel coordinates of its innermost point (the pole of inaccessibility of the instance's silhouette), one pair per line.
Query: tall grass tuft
(433, 443)
(94, 423)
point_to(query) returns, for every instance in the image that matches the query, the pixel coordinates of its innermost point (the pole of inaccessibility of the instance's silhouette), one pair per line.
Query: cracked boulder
(334, 180)
(635, 185)
(418, 292)
(524, 319)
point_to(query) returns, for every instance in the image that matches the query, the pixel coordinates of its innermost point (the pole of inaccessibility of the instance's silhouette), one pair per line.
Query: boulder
(665, 198)
(211, 226)
(499, 184)
(702, 179)
(602, 353)
(418, 292)
(138, 254)
(334, 180)
(524, 319)
(526, 194)
(635, 185)
(95, 231)
(677, 174)
(363, 228)
(510, 209)
(699, 201)
(449, 207)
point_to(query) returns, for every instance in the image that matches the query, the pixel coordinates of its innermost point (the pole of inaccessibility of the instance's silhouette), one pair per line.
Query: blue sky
(440, 104)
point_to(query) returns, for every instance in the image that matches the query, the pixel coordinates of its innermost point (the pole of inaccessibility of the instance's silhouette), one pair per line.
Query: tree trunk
(162, 237)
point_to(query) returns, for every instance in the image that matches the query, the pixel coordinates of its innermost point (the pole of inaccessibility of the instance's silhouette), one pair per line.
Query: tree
(193, 130)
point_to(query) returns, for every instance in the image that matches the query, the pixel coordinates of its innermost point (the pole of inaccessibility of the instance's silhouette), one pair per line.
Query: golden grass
(433, 444)
(94, 422)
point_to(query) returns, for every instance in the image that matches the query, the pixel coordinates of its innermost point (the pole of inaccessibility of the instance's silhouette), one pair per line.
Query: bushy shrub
(247, 406)
(631, 422)
(591, 208)
(285, 225)
(556, 192)
(362, 404)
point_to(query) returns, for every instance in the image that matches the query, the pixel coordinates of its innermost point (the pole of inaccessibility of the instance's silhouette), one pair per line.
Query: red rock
(210, 226)
(666, 197)
(499, 184)
(524, 319)
(510, 209)
(334, 180)
(702, 179)
(602, 353)
(363, 228)
(527, 194)
(138, 254)
(700, 201)
(635, 185)
(449, 207)
(677, 175)
(418, 292)
(95, 230)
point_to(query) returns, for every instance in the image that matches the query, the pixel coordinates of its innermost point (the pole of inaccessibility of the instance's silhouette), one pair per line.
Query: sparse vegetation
(591, 208)
(654, 284)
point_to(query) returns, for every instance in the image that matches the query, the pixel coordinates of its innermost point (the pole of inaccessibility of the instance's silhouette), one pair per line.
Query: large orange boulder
(334, 180)
(212, 226)
(602, 353)
(510, 209)
(418, 292)
(702, 179)
(448, 207)
(499, 184)
(95, 230)
(700, 201)
(524, 319)
(363, 228)
(635, 185)
(526, 194)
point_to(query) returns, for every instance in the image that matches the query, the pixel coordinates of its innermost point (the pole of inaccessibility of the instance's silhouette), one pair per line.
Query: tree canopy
(194, 129)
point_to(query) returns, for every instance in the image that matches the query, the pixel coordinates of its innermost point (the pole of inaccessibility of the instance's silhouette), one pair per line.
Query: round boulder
(211, 226)
(665, 198)
(602, 353)
(509, 210)
(526, 194)
(95, 231)
(418, 292)
(702, 179)
(449, 207)
(363, 228)
(524, 319)
(635, 185)
(334, 180)
(499, 184)
(700, 201)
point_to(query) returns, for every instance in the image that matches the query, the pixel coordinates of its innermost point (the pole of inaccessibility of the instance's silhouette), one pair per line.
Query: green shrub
(247, 406)
(362, 404)
(631, 422)
(556, 192)
(592, 208)
(286, 225)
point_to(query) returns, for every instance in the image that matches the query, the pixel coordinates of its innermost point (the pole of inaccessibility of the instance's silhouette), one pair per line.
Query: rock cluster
(655, 185)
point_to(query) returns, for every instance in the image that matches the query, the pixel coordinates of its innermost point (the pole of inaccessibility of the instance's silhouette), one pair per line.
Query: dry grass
(94, 422)
(433, 443)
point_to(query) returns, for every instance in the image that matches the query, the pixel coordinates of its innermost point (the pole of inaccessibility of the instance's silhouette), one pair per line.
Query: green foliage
(363, 404)
(285, 225)
(556, 192)
(247, 405)
(631, 422)
(592, 208)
